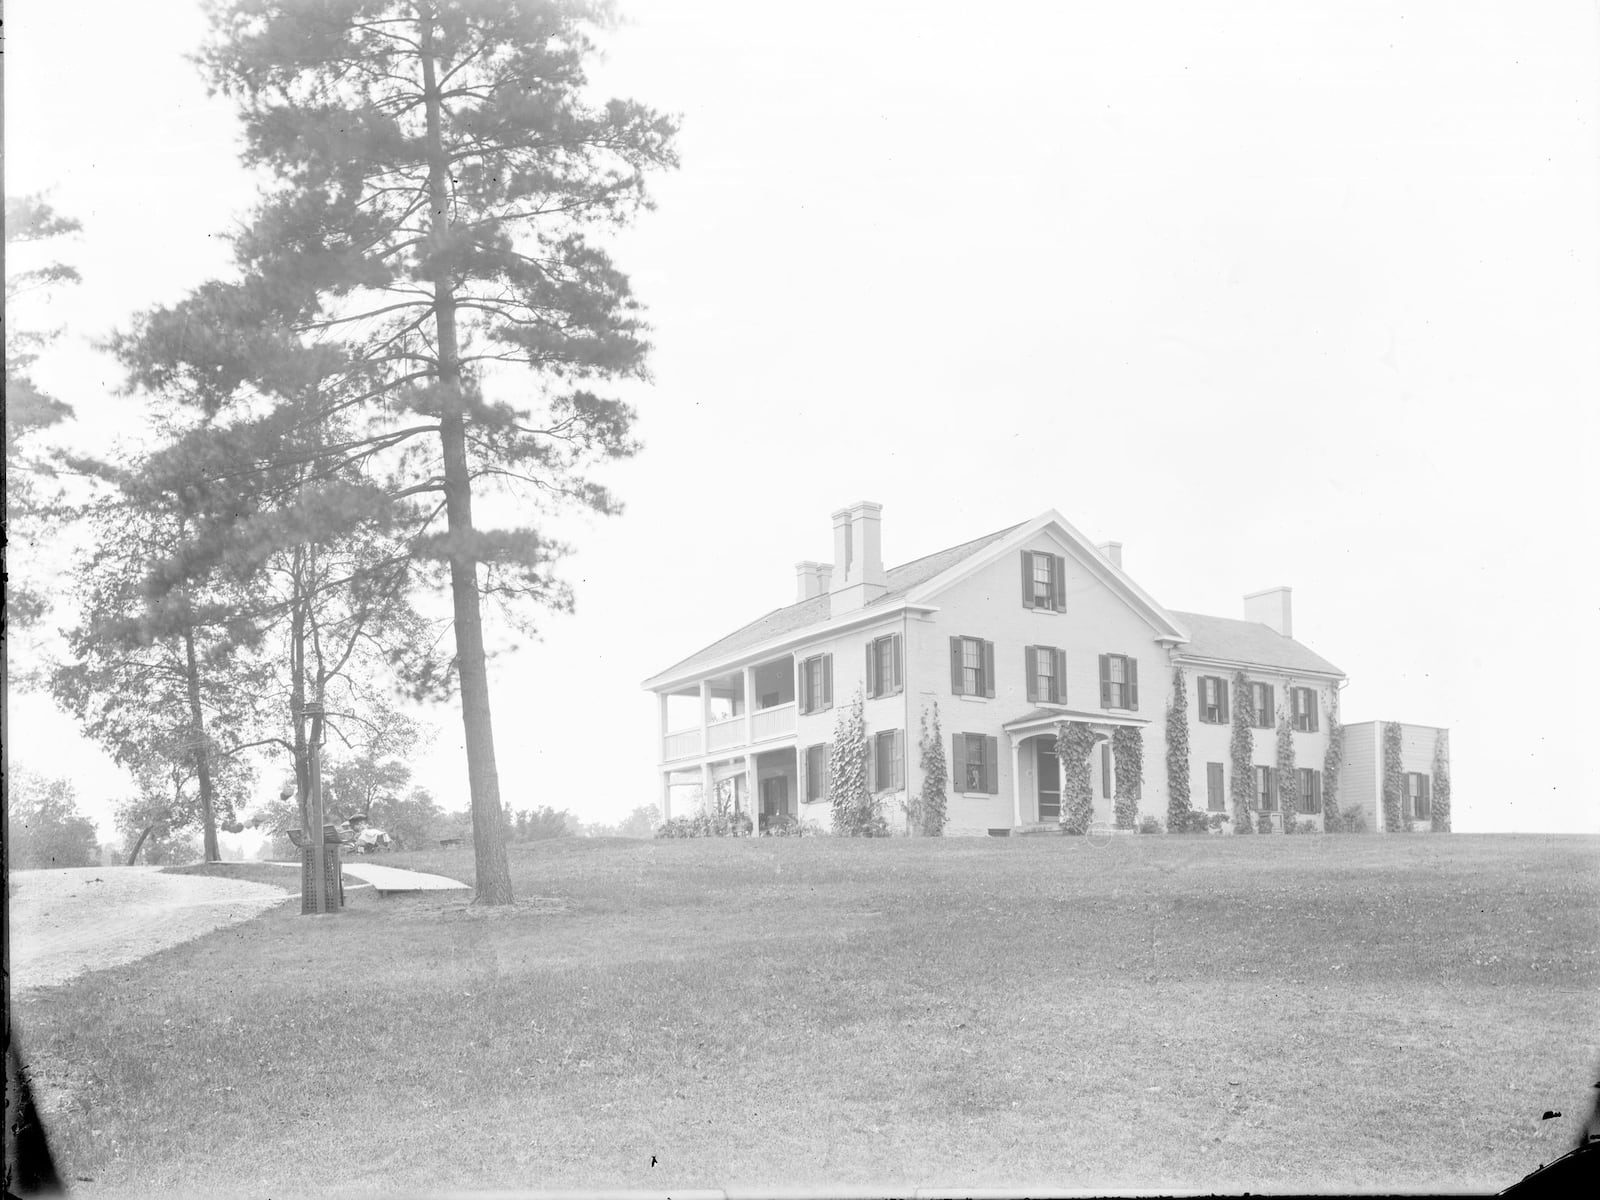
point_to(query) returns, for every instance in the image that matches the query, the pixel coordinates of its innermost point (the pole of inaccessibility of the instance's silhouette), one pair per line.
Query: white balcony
(772, 722)
(683, 744)
(723, 735)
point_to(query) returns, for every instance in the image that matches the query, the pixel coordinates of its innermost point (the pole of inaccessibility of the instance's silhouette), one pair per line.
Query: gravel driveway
(71, 920)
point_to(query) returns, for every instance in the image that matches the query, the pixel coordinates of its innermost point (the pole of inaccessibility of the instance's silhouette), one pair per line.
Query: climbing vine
(1332, 765)
(1241, 750)
(1127, 748)
(1074, 741)
(1440, 798)
(1178, 753)
(1394, 780)
(929, 805)
(1288, 779)
(855, 812)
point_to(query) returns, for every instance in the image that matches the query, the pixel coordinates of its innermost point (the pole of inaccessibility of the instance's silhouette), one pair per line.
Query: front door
(1049, 777)
(774, 796)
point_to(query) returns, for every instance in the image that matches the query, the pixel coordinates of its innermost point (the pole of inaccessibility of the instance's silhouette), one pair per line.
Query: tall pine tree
(441, 176)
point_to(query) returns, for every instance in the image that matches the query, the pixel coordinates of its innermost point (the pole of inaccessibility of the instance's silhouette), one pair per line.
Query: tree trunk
(139, 845)
(213, 852)
(488, 840)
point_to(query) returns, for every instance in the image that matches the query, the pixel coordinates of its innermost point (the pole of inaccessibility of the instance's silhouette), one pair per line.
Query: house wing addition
(1250, 643)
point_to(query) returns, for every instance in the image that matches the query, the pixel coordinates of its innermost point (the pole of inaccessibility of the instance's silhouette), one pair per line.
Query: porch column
(666, 795)
(749, 705)
(665, 729)
(1016, 781)
(750, 793)
(705, 787)
(705, 716)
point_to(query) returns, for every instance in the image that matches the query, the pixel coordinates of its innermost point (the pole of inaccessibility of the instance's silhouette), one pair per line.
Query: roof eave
(673, 677)
(1185, 656)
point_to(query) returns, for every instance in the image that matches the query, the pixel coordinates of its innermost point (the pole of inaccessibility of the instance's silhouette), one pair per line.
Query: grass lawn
(1260, 1013)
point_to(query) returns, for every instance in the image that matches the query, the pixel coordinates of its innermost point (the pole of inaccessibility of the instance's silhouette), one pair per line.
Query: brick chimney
(858, 576)
(1271, 608)
(808, 580)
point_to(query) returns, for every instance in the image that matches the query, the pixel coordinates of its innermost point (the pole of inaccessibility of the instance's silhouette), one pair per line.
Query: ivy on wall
(1288, 779)
(1394, 780)
(929, 806)
(855, 812)
(1127, 749)
(1074, 741)
(1332, 765)
(1241, 749)
(1178, 753)
(1440, 798)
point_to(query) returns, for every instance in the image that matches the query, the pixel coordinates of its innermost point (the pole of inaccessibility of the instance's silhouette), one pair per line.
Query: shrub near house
(1031, 640)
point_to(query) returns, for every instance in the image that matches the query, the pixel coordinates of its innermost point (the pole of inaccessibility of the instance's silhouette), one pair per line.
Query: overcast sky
(1272, 293)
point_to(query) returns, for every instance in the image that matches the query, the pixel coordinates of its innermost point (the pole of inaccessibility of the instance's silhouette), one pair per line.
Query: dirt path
(71, 920)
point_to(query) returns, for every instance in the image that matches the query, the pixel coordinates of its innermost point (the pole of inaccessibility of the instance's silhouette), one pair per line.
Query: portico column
(1016, 781)
(750, 793)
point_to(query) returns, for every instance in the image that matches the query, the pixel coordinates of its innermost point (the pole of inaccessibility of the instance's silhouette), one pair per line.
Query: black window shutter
(1311, 697)
(988, 669)
(1270, 695)
(827, 681)
(1030, 672)
(1316, 791)
(1105, 770)
(898, 684)
(1027, 579)
(802, 772)
(1133, 684)
(955, 665)
(958, 756)
(1222, 702)
(872, 672)
(1058, 580)
(827, 770)
(1058, 681)
(802, 694)
(1105, 681)
(899, 758)
(991, 765)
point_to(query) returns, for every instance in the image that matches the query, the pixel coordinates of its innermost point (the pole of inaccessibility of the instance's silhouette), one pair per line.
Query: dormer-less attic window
(1044, 581)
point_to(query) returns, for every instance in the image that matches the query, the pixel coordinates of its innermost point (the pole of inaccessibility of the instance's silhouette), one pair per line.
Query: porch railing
(683, 744)
(722, 735)
(772, 722)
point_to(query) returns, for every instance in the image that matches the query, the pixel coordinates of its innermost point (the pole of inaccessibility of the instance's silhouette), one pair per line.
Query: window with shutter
(1119, 682)
(974, 767)
(1266, 793)
(971, 666)
(1213, 700)
(1303, 703)
(1262, 706)
(1044, 674)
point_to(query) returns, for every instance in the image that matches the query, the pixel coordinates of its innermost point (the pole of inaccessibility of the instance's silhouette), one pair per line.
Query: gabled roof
(805, 613)
(1248, 642)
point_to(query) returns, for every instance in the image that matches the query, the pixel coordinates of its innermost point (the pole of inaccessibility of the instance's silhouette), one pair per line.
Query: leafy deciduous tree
(44, 827)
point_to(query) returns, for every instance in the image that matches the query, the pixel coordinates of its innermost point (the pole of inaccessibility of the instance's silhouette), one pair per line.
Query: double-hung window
(888, 760)
(1267, 789)
(816, 683)
(1216, 800)
(817, 765)
(1263, 705)
(976, 763)
(1213, 700)
(971, 666)
(1045, 669)
(1044, 581)
(1417, 799)
(1309, 800)
(883, 666)
(1119, 682)
(1303, 709)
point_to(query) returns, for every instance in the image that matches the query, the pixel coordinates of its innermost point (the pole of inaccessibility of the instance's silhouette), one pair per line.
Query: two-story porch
(728, 742)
